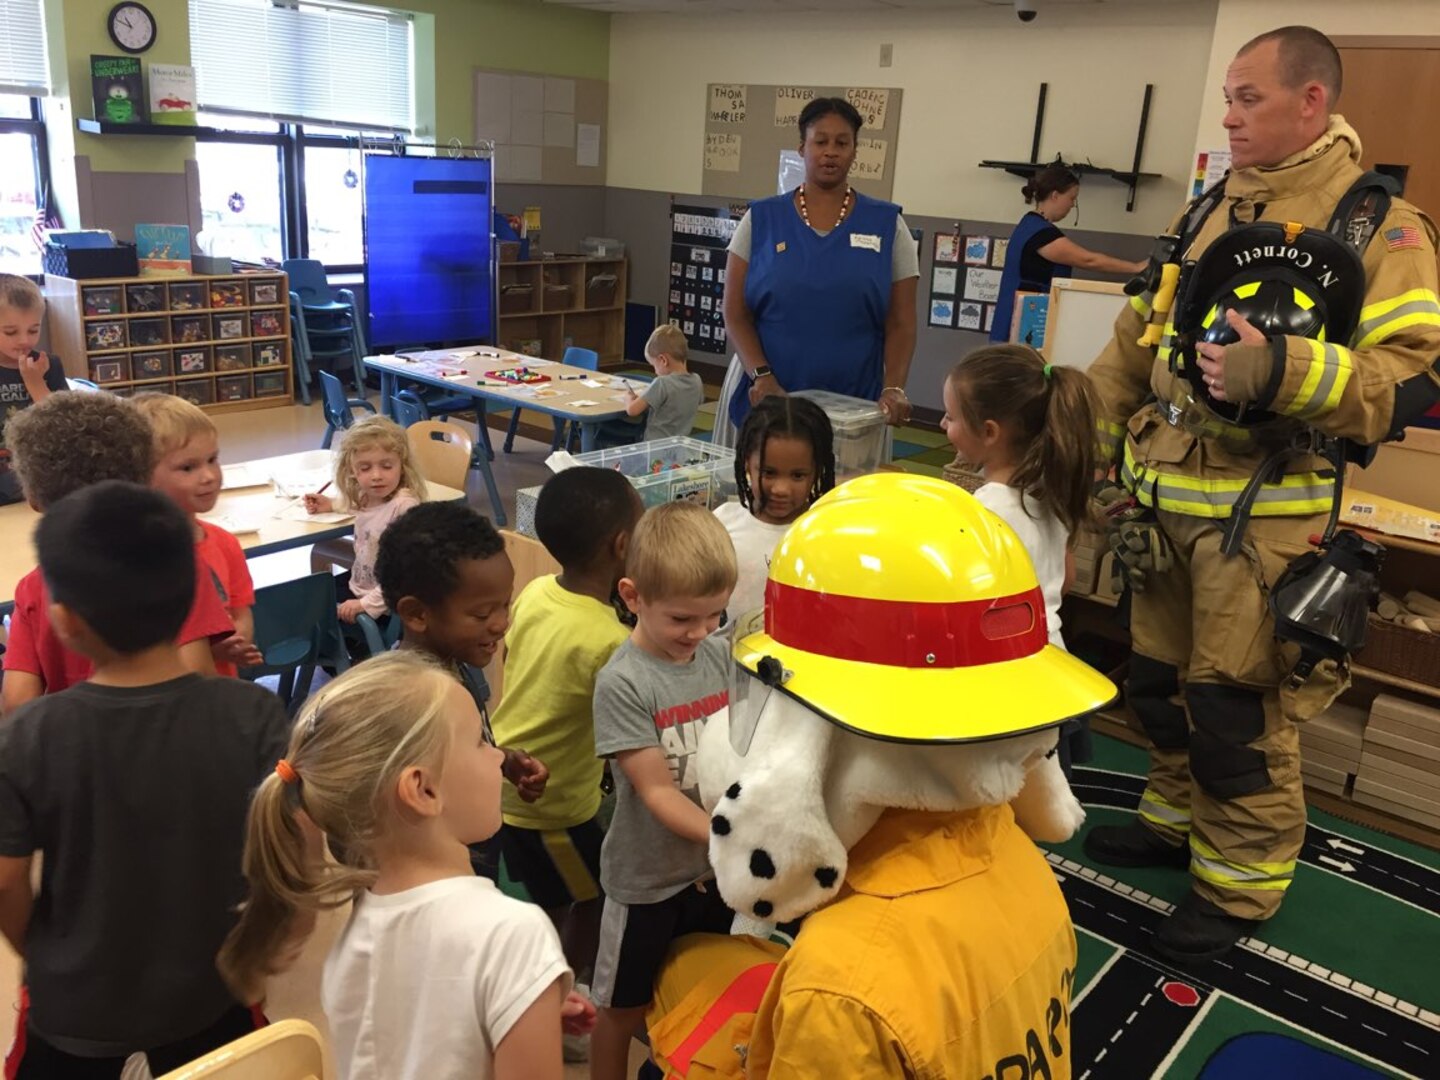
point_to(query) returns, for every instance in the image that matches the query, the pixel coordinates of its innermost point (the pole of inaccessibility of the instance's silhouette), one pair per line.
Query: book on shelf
(118, 89)
(163, 250)
(172, 94)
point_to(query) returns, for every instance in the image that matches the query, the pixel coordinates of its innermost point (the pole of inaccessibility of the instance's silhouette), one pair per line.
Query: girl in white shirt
(1030, 429)
(438, 975)
(784, 461)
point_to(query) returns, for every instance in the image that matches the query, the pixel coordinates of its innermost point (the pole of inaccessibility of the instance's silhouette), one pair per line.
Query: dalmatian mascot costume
(886, 764)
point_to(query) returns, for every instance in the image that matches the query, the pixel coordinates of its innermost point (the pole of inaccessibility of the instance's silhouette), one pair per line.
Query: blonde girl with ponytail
(1030, 428)
(437, 974)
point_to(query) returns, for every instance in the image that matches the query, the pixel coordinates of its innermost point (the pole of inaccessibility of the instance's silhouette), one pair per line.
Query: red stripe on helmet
(907, 633)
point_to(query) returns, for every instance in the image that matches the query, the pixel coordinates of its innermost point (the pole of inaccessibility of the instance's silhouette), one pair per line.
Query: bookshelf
(549, 304)
(222, 342)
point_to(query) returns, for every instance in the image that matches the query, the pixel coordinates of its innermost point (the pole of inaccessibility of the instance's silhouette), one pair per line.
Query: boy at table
(64, 443)
(26, 376)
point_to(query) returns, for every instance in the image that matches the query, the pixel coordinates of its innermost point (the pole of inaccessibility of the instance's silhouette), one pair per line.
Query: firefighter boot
(1134, 845)
(1197, 931)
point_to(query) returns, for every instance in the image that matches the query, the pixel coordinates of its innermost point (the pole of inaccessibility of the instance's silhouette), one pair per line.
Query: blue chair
(407, 407)
(296, 627)
(575, 356)
(379, 639)
(338, 409)
(328, 324)
(440, 405)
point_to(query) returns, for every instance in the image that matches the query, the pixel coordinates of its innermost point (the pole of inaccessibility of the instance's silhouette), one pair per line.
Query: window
(312, 87)
(24, 61)
(24, 177)
(306, 60)
(241, 190)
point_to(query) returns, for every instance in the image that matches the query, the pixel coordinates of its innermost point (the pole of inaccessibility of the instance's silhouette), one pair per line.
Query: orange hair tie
(286, 772)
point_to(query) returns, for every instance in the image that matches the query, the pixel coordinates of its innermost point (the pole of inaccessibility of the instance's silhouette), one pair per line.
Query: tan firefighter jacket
(1345, 389)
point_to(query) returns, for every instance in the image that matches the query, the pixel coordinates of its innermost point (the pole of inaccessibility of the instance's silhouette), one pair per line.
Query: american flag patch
(1407, 236)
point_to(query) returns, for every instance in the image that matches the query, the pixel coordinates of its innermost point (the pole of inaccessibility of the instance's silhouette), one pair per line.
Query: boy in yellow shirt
(562, 632)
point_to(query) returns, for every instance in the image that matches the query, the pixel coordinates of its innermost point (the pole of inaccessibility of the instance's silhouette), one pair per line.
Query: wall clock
(132, 27)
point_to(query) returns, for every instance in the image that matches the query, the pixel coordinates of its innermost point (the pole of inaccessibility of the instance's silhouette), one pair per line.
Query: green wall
(453, 37)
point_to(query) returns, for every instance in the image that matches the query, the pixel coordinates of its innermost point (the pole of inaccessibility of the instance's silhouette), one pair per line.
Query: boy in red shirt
(59, 445)
(186, 454)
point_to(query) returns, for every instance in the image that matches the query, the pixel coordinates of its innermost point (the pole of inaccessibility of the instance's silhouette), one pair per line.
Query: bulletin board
(1081, 320)
(965, 280)
(546, 129)
(747, 125)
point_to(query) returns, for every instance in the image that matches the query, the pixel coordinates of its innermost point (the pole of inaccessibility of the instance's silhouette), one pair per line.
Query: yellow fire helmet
(900, 608)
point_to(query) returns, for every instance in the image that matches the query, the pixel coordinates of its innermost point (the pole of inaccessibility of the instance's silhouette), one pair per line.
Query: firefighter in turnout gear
(1197, 412)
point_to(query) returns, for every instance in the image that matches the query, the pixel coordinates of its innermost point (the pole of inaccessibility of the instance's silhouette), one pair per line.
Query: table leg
(387, 391)
(481, 461)
(589, 436)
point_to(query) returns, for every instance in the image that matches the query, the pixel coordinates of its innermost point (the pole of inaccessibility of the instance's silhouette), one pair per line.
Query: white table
(241, 501)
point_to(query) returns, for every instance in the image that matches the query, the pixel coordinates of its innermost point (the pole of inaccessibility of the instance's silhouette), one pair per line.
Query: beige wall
(970, 79)
(1237, 21)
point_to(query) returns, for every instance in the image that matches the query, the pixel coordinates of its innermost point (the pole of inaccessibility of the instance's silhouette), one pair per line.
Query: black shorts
(558, 867)
(634, 939)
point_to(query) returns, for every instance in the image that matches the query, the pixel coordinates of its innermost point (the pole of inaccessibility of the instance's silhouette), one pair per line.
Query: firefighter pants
(1204, 682)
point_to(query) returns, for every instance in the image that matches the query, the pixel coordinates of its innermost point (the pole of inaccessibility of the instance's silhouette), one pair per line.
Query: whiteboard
(1081, 320)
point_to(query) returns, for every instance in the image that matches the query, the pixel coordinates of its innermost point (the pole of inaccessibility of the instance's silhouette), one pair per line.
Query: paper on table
(301, 482)
(594, 384)
(561, 460)
(236, 523)
(582, 403)
(240, 476)
(296, 512)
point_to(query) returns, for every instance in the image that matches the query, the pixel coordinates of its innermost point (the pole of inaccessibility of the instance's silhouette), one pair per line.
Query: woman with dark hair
(1039, 252)
(820, 285)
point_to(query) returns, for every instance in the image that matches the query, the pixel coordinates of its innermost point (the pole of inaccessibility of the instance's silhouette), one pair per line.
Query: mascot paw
(1046, 809)
(772, 867)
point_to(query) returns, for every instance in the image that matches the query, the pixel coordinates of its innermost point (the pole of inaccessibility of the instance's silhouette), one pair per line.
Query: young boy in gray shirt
(675, 395)
(652, 700)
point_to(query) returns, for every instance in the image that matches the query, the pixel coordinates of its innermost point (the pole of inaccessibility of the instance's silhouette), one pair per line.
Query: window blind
(24, 63)
(304, 61)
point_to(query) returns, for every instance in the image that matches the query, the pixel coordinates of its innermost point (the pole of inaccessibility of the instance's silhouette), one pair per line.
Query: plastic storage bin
(863, 441)
(675, 468)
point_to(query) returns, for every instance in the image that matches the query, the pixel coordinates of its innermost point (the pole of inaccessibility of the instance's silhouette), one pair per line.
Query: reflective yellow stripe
(569, 865)
(1210, 318)
(1295, 495)
(1244, 292)
(1141, 304)
(1418, 307)
(1324, 383)
(1114, 430)
(1165, 814)
(1209, 865)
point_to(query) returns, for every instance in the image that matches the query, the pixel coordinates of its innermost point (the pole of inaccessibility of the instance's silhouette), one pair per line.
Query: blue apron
(820, 302)
(1010, 279)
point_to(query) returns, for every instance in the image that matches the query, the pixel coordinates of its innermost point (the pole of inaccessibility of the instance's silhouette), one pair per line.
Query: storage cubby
(564, 301)
(175, 335)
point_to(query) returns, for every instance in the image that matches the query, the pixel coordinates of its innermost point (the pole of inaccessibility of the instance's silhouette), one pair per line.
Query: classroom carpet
(1340, 985)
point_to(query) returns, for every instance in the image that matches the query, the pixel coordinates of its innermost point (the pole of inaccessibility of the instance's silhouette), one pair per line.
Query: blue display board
(428, 251)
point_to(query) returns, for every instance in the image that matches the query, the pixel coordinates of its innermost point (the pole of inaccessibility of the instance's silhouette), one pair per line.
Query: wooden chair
(442, 451)
(531, 561)
(286, 1050)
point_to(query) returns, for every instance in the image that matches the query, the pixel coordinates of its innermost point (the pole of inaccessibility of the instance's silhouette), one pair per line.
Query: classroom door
(1388, 97)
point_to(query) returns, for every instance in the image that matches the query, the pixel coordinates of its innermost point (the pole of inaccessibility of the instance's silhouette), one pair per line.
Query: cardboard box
(1403, 471)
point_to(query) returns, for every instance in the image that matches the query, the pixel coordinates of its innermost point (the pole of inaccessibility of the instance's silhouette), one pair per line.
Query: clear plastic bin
(675, 468)
(863, 441)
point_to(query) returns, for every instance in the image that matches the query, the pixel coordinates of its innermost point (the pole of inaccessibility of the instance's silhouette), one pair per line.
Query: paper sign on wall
(722, 152)
(727, 103)
(1210, 166)
(872, 105)
(982, 283)
(789, 101)
(869, 159)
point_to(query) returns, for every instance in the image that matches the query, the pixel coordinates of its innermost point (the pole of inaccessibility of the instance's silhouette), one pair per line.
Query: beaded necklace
(844, 207)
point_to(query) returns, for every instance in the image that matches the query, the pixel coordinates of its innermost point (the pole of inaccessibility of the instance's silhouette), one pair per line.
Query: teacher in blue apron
(1039, 252)
(820, 285)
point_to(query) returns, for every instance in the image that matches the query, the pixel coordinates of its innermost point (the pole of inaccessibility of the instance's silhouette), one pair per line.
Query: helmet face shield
(749, 690)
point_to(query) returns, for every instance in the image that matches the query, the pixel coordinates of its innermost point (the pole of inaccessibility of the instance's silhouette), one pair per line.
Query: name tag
(865, 240)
